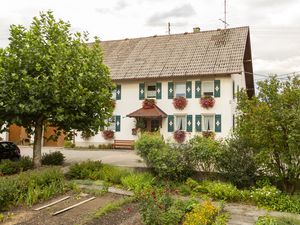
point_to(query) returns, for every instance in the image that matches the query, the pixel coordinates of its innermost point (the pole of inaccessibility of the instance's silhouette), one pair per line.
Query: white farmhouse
(213, 63)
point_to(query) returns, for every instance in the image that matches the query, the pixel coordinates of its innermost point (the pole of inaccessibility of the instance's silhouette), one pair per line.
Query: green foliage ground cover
(8, 167)
(30, 187)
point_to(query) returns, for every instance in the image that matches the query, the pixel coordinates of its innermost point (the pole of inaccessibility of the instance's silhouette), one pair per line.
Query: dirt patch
(127, 215)
(73, 216)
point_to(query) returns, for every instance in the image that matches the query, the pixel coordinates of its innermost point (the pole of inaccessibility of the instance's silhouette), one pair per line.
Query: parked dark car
(9, 150)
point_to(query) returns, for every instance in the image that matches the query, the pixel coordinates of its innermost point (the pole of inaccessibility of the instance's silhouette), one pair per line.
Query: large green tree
(270, 123)
(51, 76)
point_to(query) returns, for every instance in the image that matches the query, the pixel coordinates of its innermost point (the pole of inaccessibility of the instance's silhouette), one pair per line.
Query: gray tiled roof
(204, 53)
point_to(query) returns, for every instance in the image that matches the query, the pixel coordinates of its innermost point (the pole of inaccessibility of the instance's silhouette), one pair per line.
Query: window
(208, 88)
(114, 94)
(111, 123)
(180, 90)
(208, 122)
(151, 91)
(180, 122)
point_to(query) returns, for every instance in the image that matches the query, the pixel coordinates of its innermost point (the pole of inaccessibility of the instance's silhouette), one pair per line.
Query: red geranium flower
(180, 103)
(207, 102)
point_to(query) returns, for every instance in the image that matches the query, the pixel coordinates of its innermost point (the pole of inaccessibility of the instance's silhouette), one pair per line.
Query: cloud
(183, 11)
(103, 10)
(269, 66)
(269, 3)
(121, 5)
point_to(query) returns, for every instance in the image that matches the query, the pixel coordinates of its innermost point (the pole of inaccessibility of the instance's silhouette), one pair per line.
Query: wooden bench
(124, 144)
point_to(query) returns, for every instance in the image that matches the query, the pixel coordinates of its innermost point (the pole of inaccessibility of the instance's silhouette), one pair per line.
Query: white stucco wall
(130, 102)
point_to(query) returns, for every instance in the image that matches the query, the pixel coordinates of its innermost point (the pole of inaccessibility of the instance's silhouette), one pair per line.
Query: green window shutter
(189, 123)
(233, 90)
(217, 88)
(218, 123)
(198, 123)
(118, 92)
(158, 90)
(198, 89)
(170, 123)
(141, 91)
(188, 90)
(170, 90)
(118, 123)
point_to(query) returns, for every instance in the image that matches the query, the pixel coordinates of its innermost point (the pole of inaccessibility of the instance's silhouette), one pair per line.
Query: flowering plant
(208, 134)
(207, 102)
(179, 136)
(179, 102)
(108, 134)
(148, 103)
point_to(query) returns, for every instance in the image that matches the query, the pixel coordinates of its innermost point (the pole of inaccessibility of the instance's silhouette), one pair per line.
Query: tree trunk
(288, 186)
(37, 144)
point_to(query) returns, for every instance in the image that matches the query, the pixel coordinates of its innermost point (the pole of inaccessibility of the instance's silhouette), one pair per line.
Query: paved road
(127, 158)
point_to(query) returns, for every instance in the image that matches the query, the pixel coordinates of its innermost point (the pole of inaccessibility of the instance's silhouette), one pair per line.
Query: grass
(113, 206)
(272, 220)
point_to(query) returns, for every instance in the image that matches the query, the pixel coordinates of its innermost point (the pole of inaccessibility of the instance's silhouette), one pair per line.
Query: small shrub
(25, 163)
(91, 147)
(137, 181)
(105, 146)
(205, 153)
(148, 143)
(219, 190)
(53, 158)
(95, 170)
(158, 208)
(30, 187)
(203, 214)
(8, 167)
(69, 144)
(172, 162)
(84, 170)
(237, 164)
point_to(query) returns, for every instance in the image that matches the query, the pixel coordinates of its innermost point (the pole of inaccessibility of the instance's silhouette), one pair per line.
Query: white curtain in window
(112, 123)
(180, 122)
(208, 87)
(114, 94)
(208, 123)
(180, 89)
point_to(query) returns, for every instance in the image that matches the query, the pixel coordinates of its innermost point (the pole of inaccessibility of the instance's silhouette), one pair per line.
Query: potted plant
(179, 136)
(179, 102)
(207, 102)
(148, 103)
(108, 134)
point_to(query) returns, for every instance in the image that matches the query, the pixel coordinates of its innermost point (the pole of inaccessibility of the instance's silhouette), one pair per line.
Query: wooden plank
(72, 206)
(52, 203)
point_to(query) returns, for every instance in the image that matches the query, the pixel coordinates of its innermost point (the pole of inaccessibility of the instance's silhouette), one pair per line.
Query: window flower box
(179, 102)
(207, 102)
(179, 136)
(148, 103)
(208, 134)
(108, 134)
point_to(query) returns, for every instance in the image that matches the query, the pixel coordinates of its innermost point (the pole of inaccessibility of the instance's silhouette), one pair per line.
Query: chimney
(196, 30)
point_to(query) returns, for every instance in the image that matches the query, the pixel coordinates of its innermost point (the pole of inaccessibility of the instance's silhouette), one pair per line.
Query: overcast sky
(274, 24)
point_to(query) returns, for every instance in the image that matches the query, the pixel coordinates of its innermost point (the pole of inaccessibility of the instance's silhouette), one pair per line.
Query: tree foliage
(270, 123)
(50, 75)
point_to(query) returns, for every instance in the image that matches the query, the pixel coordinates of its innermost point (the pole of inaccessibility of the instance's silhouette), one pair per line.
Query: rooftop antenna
(225, 15)
(169, 28)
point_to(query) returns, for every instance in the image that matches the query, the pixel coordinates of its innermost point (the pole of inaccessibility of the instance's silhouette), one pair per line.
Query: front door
(155, 123)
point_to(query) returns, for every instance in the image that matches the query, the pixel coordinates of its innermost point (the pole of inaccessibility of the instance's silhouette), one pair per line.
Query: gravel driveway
(127, 158)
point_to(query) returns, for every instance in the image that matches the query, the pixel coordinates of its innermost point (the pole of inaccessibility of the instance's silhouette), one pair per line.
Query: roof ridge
(171, 35)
